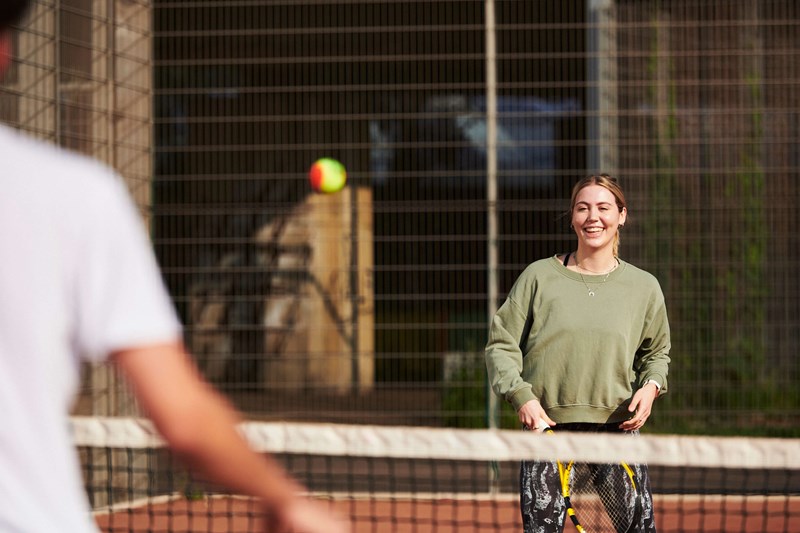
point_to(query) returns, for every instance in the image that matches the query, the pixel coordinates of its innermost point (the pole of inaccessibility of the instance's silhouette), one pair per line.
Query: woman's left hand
(641, 405)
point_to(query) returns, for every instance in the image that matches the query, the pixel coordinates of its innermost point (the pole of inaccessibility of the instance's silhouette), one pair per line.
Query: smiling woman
(581, 343)
(598, 212)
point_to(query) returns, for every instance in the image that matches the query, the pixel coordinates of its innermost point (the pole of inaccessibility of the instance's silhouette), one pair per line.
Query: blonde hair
(609, 183)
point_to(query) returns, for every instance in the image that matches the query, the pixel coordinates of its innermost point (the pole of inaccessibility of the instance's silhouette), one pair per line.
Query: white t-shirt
(78, 279)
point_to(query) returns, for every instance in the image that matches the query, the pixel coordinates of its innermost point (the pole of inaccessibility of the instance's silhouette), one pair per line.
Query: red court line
(673, 514)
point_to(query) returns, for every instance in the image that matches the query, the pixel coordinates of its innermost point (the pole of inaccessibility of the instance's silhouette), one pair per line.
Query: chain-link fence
(463, 125)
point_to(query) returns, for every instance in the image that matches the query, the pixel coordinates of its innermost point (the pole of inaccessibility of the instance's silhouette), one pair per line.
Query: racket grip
(542, 426)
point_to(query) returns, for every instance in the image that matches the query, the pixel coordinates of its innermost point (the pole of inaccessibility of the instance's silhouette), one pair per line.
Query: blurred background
(462, 125)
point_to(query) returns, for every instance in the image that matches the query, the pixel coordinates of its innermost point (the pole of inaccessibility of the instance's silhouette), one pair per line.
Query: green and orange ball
(327, 175)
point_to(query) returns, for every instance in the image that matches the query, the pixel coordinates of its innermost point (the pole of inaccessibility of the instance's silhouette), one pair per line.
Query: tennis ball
(327, 175)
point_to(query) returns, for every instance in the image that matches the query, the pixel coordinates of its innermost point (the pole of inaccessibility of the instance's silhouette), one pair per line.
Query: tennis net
(410, 479)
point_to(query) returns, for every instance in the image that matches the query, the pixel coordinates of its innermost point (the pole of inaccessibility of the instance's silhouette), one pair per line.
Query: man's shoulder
(39, 158)
(43, 171)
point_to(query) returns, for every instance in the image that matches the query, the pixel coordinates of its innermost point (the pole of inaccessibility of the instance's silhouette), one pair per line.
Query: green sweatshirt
(581, 356)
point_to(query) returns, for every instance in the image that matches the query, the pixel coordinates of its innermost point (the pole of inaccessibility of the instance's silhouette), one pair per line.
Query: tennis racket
(601, 498)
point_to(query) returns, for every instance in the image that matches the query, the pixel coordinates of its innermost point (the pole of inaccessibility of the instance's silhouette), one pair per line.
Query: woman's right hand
(533, 417)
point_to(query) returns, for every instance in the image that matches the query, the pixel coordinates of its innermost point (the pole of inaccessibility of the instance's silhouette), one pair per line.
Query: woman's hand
(533, 417)
(641, 405)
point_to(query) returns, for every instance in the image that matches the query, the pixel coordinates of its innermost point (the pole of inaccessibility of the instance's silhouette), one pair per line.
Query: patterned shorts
(542, 506)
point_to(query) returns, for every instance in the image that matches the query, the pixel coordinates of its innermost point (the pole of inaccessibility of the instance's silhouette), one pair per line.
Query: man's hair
(12, 11)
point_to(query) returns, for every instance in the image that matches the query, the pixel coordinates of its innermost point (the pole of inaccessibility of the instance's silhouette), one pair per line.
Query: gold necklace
(588, 288)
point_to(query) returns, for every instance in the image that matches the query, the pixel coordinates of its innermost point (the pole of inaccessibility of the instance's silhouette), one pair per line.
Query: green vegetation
(464, 400)
(716, 287)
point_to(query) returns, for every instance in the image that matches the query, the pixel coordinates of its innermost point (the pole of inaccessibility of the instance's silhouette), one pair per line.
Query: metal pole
(593, 156)
(492, 406)
(355, 370)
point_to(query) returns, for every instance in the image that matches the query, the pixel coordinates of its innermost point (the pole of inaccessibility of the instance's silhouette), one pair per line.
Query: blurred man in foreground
(79, 282)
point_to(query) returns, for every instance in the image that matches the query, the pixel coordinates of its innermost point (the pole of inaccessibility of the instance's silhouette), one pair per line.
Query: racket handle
(542, 426)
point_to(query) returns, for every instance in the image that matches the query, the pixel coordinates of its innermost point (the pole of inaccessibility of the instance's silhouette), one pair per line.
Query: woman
(581, 342)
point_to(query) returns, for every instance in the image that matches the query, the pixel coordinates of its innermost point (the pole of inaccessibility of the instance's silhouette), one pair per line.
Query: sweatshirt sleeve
(652, 357)
(504, 354)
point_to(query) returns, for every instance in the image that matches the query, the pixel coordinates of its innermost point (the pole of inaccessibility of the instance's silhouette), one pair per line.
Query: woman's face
(596, 217)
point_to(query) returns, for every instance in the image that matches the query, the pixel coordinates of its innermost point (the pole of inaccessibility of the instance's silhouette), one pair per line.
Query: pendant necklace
(588, 288)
